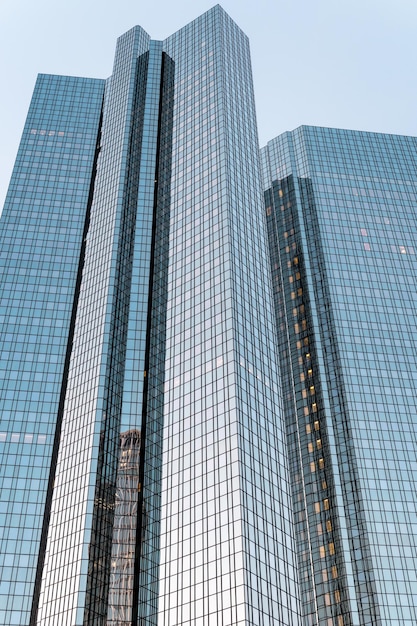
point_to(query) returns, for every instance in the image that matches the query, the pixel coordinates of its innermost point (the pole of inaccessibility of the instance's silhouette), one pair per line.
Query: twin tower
(202, 349)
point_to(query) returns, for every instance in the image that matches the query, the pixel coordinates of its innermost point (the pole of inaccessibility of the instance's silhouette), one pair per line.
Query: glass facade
(41, 250)
(206, 408)
(162, 505)
(341, 209)
(226, 545)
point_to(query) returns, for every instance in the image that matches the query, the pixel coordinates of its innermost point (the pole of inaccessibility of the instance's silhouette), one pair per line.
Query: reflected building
(137, 299)
(124, 531)
(341, 209)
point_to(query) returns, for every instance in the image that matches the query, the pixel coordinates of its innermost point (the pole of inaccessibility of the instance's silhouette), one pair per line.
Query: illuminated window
(317, 507)
(316, 425)
(312, 467)
(318, 444)
(321, 464)
(323, 553)
(331, 548)
(326, 504)
(329, 526)
(334, 571)
(310, 447)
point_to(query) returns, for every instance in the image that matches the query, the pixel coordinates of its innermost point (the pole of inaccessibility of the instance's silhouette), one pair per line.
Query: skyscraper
(207, 408)
(341, 210)
(136, 298)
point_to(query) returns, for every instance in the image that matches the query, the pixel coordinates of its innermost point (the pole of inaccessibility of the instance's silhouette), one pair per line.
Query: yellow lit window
(308, 427)
(326, 504)
(316, 424)
(306, 413)
(296, 260)
(319, 529)
(318, 443)
(310, 447)
(324, 575)
(331, 548)
(334, 571)
(302, 377)
(280, 193)
(304, 393)
(322, 552)
(312, 467)
(314, 407)
(329, 526)
(317, 507)
(327, 599)
(321, 463)
(337, 596)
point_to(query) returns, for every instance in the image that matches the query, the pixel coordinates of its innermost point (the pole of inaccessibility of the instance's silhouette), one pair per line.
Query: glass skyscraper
(341, 209)
(137, 300)
(207, 400)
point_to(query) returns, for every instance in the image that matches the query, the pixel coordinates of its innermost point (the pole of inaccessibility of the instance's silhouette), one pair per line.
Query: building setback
(207, 396)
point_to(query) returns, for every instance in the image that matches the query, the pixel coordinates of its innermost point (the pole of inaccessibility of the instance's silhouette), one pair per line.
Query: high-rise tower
(341, 210)
(138, 300)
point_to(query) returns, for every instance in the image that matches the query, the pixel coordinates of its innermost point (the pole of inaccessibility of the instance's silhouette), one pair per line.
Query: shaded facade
(341, 209)
(166, 331)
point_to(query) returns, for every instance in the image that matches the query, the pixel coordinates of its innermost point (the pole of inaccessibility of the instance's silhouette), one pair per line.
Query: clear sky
(342, 63)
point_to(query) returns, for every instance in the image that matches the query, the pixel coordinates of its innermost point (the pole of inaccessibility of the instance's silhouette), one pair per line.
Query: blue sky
(343, 63)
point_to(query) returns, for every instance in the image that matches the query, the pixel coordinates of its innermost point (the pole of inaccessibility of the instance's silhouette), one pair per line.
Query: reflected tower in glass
(145, 477)
(341, 210)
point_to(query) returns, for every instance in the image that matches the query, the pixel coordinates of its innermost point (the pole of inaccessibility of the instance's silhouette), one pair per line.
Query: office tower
(341, 210)
(137, 298)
